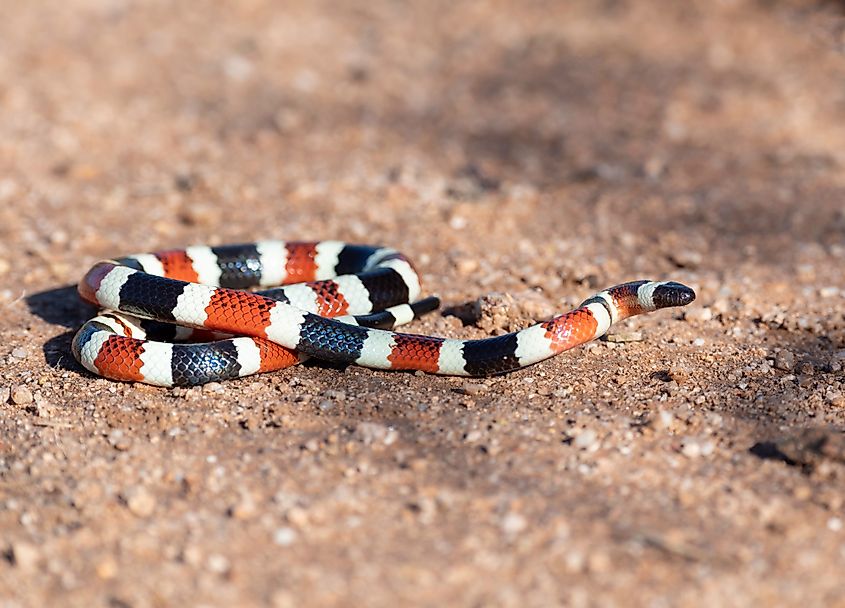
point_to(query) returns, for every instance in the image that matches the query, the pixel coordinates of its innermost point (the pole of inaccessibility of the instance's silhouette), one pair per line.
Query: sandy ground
(530, 153)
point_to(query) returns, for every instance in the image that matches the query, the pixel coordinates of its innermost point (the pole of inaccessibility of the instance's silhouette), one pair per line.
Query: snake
(186, 317)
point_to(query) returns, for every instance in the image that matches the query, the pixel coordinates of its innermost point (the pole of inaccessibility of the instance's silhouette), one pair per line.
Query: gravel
(525, 156)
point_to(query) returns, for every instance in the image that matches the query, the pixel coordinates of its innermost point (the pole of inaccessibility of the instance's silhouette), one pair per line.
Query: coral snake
(185, 317)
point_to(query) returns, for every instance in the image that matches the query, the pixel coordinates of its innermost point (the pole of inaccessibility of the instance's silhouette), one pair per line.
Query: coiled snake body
(339, 303)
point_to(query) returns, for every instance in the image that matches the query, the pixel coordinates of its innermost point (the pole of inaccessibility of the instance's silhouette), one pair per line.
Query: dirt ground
(526, 152)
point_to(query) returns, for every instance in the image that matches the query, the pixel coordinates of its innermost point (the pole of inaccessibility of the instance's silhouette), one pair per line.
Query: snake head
(671, 293)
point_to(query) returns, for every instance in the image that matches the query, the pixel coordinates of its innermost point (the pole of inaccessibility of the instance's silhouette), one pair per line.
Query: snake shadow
(60, 306)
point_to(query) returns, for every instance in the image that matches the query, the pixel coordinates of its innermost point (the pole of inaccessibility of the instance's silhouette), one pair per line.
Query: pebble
(282, 598)
(213, 387)
(785, 360)
(25, 555)
(586, 439)
(373, 432)
(326, 405)
(836, 399)
(471, 388)
(297, 516)
(805, 381)
(107, 568)
(21, 395)
(679, 372)
(599, 562)
(244, 508)
(693, 448)
(118, 440)
(19, 353)
(699, 315)
(467, 266)
(686, 258)
(805, 367)
(218, 564)
(664, 420)
(140, 502)
(284, 536)
(473, 436)
(513, 524)
(625, 336)
(5, 394)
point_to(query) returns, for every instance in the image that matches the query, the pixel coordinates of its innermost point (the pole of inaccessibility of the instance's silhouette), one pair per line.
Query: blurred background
(537, 149)
(158, 123)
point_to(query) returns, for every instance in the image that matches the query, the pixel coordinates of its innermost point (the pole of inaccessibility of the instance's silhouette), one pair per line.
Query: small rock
(802, 492)
(213, 387)
(471, 388)
(21, 395)
(284, 536)
(326, 405)
(699, 315)
(282, 598)
(19, 353)
(586, 439)
(686, 258)
(599, 562)
(373, 432)
(467, 266)
(679, 372)
(836, 399)
(107, 568)
(513, 524)
(140, 502)
(244, 508)
(691, 448)
(625, 336)
(118, 440)
(5, 394)
(806, 367)
(298, 517)
(785, 360)
(218, 564)
(472, 436)
(237, 67)
(25, 555)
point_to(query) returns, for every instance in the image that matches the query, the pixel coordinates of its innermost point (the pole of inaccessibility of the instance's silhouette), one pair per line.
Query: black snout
(672, 294)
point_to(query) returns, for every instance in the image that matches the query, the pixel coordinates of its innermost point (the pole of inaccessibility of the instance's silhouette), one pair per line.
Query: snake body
(339, 303)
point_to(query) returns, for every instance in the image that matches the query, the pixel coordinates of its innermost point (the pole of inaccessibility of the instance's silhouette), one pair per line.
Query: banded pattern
(345, 301)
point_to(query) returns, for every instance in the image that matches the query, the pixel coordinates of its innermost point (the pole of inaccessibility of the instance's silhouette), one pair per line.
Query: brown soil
(534, 150)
